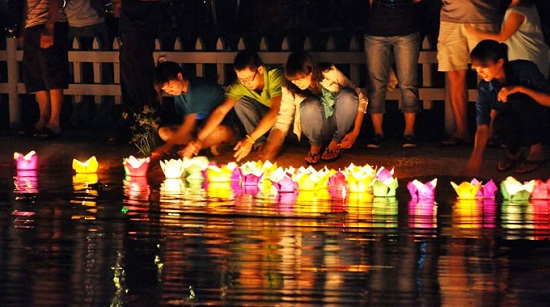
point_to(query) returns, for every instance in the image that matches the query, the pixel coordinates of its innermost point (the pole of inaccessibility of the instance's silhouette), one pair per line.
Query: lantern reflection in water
(85, 193)
(384, 212)
(474, 214)
(25, 189)
(541, 219)
(517, 218)
(422, 215)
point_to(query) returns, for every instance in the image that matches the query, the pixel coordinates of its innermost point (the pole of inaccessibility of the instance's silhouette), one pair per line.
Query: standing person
(139, 27)
(45, 62)
(392, 25)
(521, 31)
(518, 96)
(195, 99)
(256, 98)
(323, 104)
(454, 46)
(86, 22)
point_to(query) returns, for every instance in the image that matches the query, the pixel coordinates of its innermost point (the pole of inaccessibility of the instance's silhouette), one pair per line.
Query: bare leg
(536, 153)
(43, 99)
(56, 97)
(459, 103)
(377, 120)
(409, 123)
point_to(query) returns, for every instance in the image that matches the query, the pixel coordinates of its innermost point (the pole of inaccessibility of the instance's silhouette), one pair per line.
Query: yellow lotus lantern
(360, 178)
(86, 167)
(466, 190)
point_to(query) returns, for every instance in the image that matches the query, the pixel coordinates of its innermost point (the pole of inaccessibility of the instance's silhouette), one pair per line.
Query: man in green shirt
(255, 97)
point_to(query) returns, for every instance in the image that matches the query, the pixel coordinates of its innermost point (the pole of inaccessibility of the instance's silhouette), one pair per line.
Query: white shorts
(454, 45)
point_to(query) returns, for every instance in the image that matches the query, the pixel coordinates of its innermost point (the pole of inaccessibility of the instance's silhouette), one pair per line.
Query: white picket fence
(352, 62)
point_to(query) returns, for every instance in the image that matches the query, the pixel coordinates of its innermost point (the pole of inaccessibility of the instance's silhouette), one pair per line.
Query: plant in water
(144, 127)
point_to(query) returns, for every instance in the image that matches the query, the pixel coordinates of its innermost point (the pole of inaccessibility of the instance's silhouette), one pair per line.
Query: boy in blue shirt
(194, 100)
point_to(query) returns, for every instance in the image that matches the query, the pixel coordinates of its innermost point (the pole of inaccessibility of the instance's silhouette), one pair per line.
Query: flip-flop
(314, 158)
(528, 166)
(331, 155)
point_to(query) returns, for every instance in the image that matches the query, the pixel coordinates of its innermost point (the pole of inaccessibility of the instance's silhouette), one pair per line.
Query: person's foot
(527, 166)
(376, 141)
(510, 161)
(410, 141)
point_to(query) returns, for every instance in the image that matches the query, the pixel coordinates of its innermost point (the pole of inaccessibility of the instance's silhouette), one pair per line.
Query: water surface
(107, 240)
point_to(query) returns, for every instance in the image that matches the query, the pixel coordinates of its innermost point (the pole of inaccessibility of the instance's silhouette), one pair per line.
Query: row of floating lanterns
(379, 182)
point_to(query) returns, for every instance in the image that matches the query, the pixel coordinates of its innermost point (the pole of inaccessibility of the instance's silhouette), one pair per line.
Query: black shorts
(46, 69)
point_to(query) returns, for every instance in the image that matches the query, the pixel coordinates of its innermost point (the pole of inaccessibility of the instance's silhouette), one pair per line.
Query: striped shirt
(38, 12)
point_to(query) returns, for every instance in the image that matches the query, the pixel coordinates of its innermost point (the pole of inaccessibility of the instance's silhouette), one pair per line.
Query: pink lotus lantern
(26, 162)
(282, 180)
(172, 168)
(419, 190)
(87, 167)
(384, 184)
(136, 167)
(487, 190)
(338, 186)
(541, 190)
(252, 172)
(466, 190)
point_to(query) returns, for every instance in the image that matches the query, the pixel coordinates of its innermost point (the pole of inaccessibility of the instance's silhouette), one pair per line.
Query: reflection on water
(128, 241)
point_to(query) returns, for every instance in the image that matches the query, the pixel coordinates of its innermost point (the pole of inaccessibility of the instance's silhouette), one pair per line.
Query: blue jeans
(317, 128)
(406, 50)
(250, 113)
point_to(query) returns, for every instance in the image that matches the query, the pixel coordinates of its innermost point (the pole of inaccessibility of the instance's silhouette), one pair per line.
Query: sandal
(331, 155)
(528, 166)
(312, 158)
(508, 162)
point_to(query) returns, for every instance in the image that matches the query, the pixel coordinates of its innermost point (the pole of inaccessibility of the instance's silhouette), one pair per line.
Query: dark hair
(489, 51)
(165, 72)
(247, 59)
(300, 64)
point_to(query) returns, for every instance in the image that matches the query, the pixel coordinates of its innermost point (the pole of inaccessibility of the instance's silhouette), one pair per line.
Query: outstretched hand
(242, 149)
(192, 149)
(348, 140)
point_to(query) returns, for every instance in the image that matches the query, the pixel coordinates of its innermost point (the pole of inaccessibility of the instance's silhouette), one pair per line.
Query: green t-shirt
(273, 80)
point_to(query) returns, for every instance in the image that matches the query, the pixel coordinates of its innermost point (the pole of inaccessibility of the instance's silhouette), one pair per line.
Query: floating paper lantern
(359, 178)
(26, 162)
(87, 167)
(282, 180)
(541, 190)
(419, 190)
(384, 184)
(252, 172)
(172, 168)
(311, 179)
(227, 172)
(466, 190)
(487, 190)
(136, 166)
(195, 168)
(514, 190)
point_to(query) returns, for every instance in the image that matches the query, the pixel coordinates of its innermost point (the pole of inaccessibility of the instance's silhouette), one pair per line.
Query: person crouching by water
(323, 104)
(194, 100)
(516, 95)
